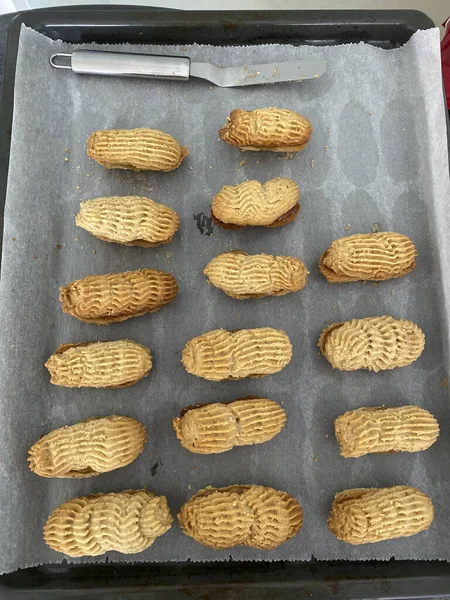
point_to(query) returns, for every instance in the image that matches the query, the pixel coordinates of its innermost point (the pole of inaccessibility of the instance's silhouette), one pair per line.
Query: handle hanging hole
(61, 60)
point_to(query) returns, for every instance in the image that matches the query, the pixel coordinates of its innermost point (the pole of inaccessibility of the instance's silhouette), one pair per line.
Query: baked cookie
(241, 275)
(136, 149)
(373, 343)
(99, 364)
(219, 427)
(220, 354)
(272, 204)
(126, 522)
(89, 448)
(115, 297)
(368, 257)
(274, 129)
(241, 515)
(367, 515)
(128, 220)
(378, 429)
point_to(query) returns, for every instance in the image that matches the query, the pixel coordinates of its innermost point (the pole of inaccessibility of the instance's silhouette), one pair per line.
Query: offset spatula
(120, 64)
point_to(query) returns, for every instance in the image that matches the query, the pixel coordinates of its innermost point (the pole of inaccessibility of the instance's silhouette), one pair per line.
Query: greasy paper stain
(204, 223)
(154, 469)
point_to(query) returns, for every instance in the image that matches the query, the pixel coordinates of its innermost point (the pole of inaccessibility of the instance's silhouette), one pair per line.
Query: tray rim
(339, 579)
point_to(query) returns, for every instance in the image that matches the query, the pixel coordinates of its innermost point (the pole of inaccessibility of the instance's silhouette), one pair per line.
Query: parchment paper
(378, 155)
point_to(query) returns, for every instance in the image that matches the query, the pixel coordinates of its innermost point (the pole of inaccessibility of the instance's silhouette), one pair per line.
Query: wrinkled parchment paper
(378, 155)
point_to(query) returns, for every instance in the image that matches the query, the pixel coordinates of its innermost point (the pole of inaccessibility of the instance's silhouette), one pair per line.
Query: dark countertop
(5, 20)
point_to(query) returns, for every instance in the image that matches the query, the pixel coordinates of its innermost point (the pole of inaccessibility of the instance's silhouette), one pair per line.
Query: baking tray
(403, 579)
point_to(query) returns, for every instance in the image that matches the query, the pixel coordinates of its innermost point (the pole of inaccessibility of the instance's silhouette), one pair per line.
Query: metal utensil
(120, 64)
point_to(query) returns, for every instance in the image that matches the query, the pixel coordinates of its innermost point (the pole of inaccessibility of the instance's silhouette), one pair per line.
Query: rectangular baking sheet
(378, 155)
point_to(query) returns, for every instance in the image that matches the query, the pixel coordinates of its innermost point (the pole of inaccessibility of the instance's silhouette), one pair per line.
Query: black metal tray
(233, 580)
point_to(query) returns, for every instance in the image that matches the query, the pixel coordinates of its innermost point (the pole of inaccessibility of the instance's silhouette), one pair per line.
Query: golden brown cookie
(373, 343)
(115, 297)
(368, 257)
(274, 129)
(241, 515)
(241, 275)
(127, 522)
(272, 204)
(378, 429)
(128, 220)
(220, 354)
(89, 448)
(367, 515)
(136, 149)
(99, 364)
(215, 428)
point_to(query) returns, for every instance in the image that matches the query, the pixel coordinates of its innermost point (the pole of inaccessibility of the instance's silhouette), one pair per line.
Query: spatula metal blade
(259, 74)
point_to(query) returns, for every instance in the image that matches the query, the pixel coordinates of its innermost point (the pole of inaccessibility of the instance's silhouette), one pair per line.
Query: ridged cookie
(136, 149)
(99, 364)
(241, 515)
(215, 428)
(128, 220)
(127, 522)
(272, 204)
(368, 257)
(115, 297)
(220, 354)
(241, 275)
(373, 343)
(367, 515)
(378, 429)
(89, 448)
(274, 129)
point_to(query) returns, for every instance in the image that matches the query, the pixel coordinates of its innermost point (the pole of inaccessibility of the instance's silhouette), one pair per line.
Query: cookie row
(103, 444)
(115, 297)
(374, 343)
(140, 221)
(238, 515)
(273, 129)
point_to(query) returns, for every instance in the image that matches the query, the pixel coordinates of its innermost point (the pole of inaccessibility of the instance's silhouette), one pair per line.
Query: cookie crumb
(242, 163)
(376, 228)
(312, 165)
(349, 226)
(444, 382)
(59, 246)
(316, 458)
(66, 159)
(325, 147)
